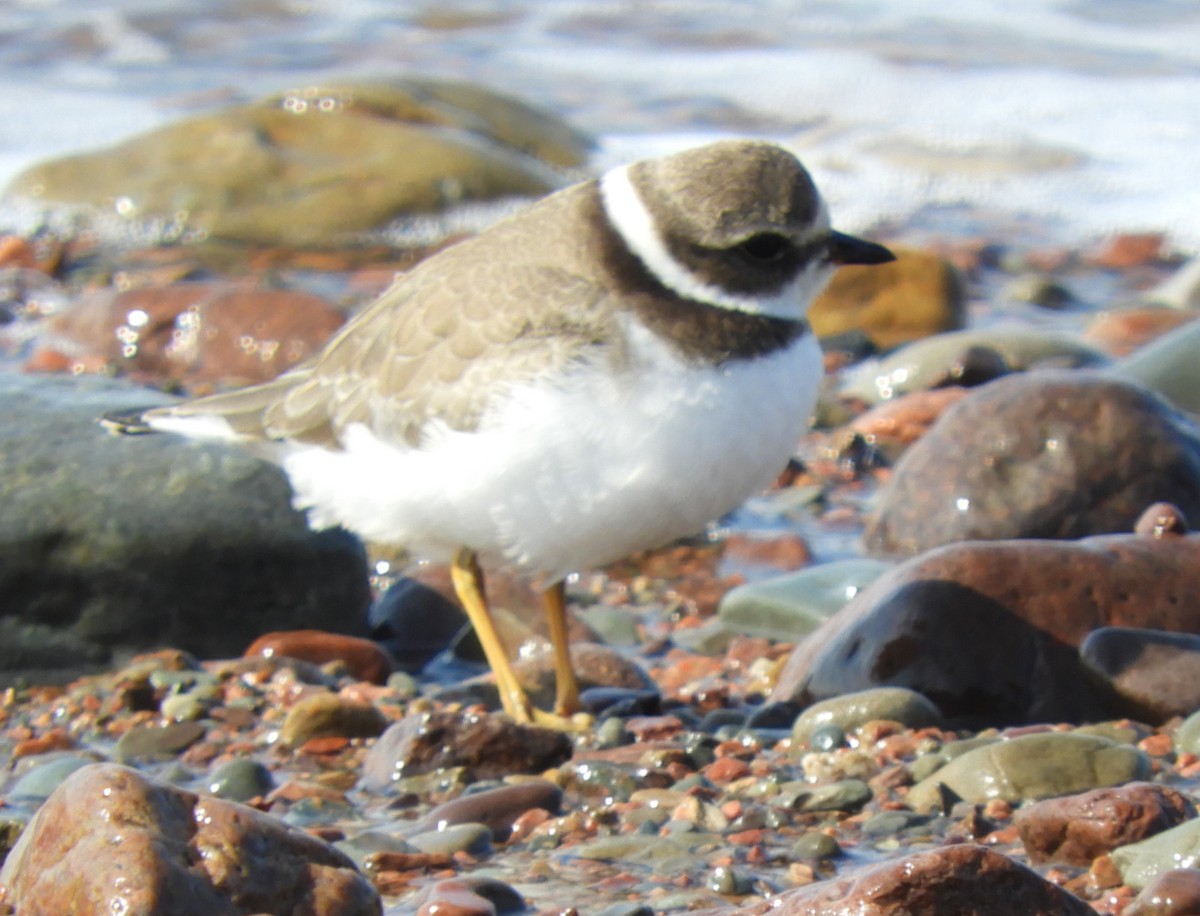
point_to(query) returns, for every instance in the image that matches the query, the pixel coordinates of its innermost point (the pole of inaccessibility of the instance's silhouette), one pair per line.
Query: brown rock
(486, 745)
(595, 666)
(988, 630)
(916, 295)
(110, 840)
(1076, 829)
(1119, 332)
(1155, 674)
(497, 808)
(959, 880)
(326, 715)
(1129, 250)
(363, 658)
(194, 333)
(904, 420)
(1172, 893)
(1045, 454)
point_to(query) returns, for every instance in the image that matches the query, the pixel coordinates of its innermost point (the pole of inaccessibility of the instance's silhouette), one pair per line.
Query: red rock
(1129, 250)
(784, 552)
(726, 769)
(110, 840)
(948, 881)
(1172, 893)
(906, 419)
(213, 333)
(364, 659)
(1076, 829)
(16, 252)
(1119, 332)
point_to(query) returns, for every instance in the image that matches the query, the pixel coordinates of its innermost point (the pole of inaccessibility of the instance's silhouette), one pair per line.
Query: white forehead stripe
(633, 222)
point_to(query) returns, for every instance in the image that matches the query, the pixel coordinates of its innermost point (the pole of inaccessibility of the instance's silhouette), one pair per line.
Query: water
(1075, 119)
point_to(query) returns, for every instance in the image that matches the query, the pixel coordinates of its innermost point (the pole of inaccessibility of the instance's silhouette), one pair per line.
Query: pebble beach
(947, 664)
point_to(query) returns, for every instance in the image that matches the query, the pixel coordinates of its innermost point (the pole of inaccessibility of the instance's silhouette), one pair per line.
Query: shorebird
(605, 371)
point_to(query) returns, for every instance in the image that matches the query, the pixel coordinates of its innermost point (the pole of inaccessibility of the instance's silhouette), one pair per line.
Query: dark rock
(988, 631)
(486, 745)
(364, 659)
(414, 622)
(1155, 675)
(949, 881)
(1076, 829)
(117, 543)
(496, 808)
(1039, 455)
(111, 840)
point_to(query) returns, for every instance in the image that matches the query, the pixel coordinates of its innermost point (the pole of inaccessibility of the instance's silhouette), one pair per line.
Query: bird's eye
(765, 247)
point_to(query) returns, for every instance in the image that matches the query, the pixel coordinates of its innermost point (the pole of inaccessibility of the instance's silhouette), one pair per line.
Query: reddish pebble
(56, 740)
(1156, 745)
(1129, 250)
(364, 659)
(726, 769)
(454, 898)
(16, 252)
(330, 744)
(747, 837)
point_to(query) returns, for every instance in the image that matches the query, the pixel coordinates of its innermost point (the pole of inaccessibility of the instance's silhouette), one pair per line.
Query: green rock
(240, 780)
(318, 167)
(851, 710)
(1168, 366)
(1141, 862)
(324, 715)
(44, 778)
(1187, 736)
(790, 606)
(843, 795)
(1032, 767)
(153, 742)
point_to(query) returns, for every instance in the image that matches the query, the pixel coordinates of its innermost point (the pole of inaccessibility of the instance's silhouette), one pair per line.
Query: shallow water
(1074, 119)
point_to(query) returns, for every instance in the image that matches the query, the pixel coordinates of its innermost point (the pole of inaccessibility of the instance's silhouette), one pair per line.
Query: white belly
(574, 475)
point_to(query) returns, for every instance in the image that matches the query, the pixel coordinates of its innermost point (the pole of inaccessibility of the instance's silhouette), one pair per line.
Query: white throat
(636, 226)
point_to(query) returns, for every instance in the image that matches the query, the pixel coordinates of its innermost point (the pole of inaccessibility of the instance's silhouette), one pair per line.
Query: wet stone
(1172, 893)
(1156, 674)
(1140, 863)
(844, 795)
(43, 779)
(153, 742)
(852, 710)
(364, 659)
(496, 808)
(816, 845)
(469, 895)
(414, 622)
(1076, 829)
(485, 745)
(322, 715)
(1039, 455)
(1032, 767)
(240, 780)
(475, 839)
(1168, 366)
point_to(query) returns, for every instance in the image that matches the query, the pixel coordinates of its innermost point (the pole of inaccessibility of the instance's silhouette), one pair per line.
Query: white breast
(577, 473)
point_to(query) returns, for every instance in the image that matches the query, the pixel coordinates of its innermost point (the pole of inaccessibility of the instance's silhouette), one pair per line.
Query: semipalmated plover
(603, 372)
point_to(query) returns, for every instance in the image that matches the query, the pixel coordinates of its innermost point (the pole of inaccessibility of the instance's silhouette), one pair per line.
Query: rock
(486, 745)
(792, 605)
(414, 622)
(966, 358)
(154, 742)
(1172, 893)
(1039, 455)
(1168, 366)
(40, 782)
(1187, 736)
(227, 334)
(987, 630)
(1076, 829)
(1155, 674)
(916, 295)
(111, 840)
(496, 808)
(595, 666)
(896, 424)
(240, 780)
(1031, 767)
(264, 173)
(1121, 331)
(1181, 290)
(1129, 250)
(948, 881)
(326, 715)
(469, 895)
(364, 659)
(117, 543)
(1140, 863)
(849, 712)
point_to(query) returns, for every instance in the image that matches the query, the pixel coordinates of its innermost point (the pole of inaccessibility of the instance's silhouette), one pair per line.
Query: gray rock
(1155, 674)
(1168, 366)
(240, 780)
(1032, 766)
(111, 544)
(1051, 454)
(848, 712)
(1179, 847)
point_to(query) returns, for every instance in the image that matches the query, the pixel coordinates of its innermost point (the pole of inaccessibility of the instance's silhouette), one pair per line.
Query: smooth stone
(414, 622)
(469, 895)
(986, 630)
(1032, 767)
(1122, 331)
(496, 808)
(1168, 366)
(729, 881)
(485, 746)
(1039, 455)
(936, 361)
(366, 843)
(111, 840)
(475, 839)
(787, 607)
(1172, 893)
(240, 780)
(614, 626)
(891, 823)
(852, 710)
(41, 781)
(620, 701)
(363, 658)
(155, 742)
(918, 294)
(1076, 829)
(815, 845)
(772, 716)
(1181, 290)
(1140, 863)
(1155, 674)
(325, 715)
(952, 879)
(595, 666)
(100, 533)
(186, 707)
(1187, 736)
(631, 847)
(844, 795)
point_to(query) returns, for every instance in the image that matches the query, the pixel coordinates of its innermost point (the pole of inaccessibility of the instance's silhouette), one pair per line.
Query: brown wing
(436, 345)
